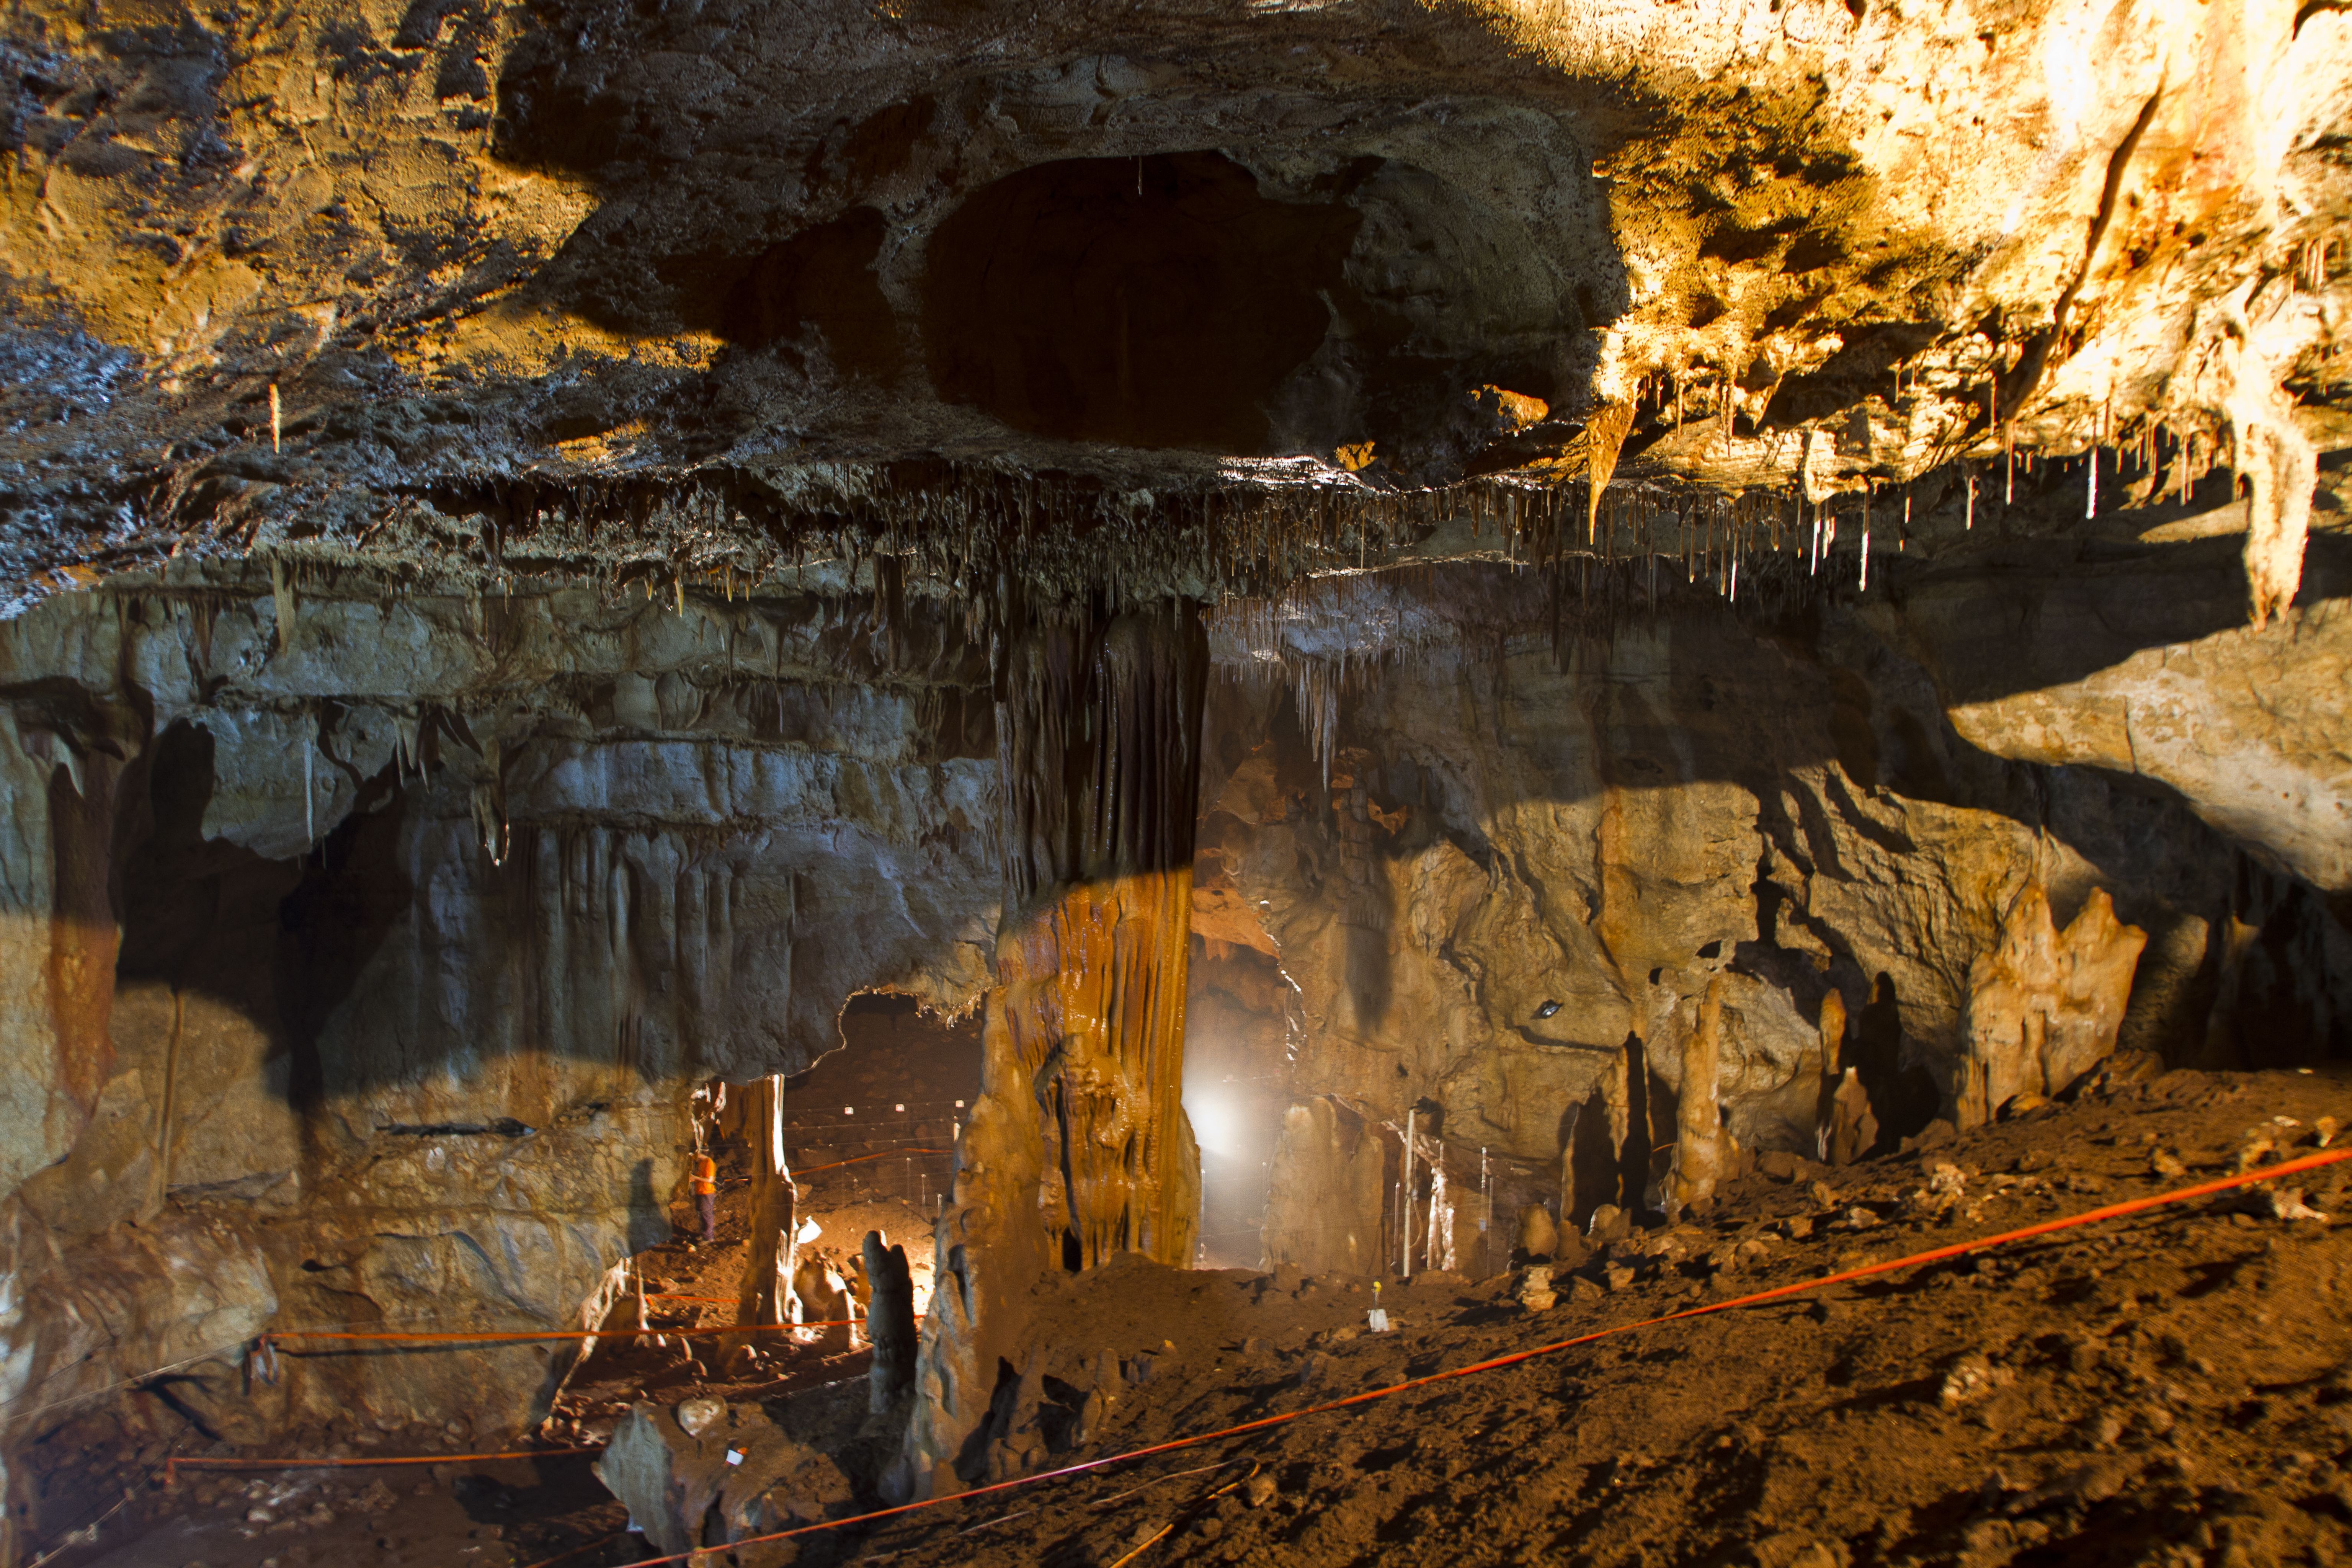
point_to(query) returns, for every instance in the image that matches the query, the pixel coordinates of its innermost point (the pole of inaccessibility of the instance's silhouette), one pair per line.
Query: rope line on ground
(172, 1466)
(467, 1336)
(886, 1154)
(1780, 1292)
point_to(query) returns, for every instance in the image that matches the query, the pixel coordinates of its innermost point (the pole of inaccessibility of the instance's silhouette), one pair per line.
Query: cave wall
(1507, 902)
(418, 933)
(362, 952)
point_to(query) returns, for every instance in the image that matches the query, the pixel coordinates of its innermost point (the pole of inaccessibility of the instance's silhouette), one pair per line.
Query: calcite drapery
(1098, 734)
(1092, 1008)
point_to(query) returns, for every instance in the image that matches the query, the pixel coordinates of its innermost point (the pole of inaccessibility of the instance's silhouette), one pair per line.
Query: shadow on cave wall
(281, 941)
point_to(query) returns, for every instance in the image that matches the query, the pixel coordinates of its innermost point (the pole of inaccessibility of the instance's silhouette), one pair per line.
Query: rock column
(1077, 1149)
(764, 1297)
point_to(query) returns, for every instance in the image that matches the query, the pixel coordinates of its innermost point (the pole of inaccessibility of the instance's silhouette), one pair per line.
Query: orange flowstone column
(1077, 1148)
(1091, 992)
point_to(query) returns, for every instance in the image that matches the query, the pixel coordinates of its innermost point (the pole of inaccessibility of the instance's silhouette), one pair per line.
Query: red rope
(468, 1336)
(172, 1466)
(886, 1154)
(1936, 1255)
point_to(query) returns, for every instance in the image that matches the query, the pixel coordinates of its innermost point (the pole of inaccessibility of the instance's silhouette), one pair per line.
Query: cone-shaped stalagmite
(889, 1320)
(1698, 1116)
(1078, 1148)
(1826, 1122)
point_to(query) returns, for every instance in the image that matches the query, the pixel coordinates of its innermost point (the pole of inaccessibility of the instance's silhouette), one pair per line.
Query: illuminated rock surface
(1455, 634)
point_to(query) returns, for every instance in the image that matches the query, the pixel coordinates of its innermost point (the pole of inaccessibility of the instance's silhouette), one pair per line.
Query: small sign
(1380, 1319)
(734, 1456)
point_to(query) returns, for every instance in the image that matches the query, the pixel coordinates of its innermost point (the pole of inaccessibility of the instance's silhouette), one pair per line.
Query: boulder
(738, 1475)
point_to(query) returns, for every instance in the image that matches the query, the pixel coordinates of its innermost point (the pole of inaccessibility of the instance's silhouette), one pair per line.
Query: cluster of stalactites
(1098, 720)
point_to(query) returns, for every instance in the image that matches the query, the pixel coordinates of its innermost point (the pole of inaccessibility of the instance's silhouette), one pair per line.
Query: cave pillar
(1077, 1149)
(764, 1297)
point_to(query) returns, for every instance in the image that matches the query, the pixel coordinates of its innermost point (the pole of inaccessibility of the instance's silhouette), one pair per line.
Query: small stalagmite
(1853, 1128)
(825, 1301)
(1538, 1236)
(1834, 1073)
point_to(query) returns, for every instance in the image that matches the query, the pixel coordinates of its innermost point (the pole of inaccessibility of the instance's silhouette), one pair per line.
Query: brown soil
(2167, 1389)
(2173, 1388)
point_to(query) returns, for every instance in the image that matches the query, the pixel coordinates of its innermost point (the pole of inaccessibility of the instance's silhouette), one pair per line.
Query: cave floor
(2171, 1388)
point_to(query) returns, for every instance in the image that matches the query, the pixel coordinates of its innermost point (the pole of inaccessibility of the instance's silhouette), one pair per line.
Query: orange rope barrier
(172, 1466)
(463, 1336)
(1936, 1255)
(886, 1154)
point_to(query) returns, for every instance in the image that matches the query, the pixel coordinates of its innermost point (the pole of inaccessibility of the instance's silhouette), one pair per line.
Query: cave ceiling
(1174, 298)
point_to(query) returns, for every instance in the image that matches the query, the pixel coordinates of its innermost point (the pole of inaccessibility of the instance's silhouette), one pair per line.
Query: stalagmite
(1537, 1236)
(2044, 1005)
(1699, 1134)
(764, 1295)
(1853, 1128)
(890, 1321)
(824, 1300)
(1832, 1043)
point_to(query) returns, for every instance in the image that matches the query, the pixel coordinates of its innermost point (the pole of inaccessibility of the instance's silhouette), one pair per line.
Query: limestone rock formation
(1078, 1148)
(386, 1078)
(1538, 1237)
(1534, 949)
(2044, 1007)
(737, 1477)
(1530, 602)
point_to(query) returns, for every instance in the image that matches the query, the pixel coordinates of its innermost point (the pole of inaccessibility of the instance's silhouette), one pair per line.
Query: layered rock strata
(367, 951)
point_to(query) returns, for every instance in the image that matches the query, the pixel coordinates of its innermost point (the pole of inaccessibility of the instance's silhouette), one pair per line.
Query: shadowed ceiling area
(1155, 301)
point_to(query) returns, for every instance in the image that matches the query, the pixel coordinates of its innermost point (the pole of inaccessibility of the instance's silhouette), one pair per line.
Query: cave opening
(1152, 302)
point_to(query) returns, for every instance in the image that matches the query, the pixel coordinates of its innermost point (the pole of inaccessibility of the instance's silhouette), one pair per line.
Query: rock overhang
(719, 263)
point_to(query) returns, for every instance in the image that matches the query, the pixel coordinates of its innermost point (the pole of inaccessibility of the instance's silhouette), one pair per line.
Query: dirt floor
(2174, 1388)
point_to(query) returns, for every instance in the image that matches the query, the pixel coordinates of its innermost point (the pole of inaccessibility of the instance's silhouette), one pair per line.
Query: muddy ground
(2173, 1388)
